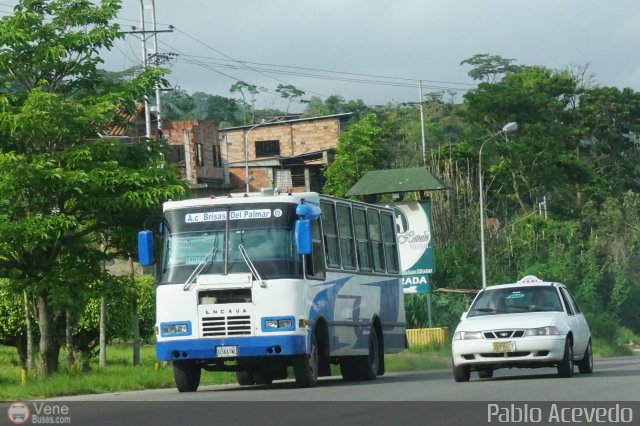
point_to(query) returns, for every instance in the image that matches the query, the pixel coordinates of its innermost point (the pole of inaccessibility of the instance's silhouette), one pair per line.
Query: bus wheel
(349, 368)
(363, 367)
(262, 376)
(244, 378)
(371, 363)
(305, 366)
(186, 374)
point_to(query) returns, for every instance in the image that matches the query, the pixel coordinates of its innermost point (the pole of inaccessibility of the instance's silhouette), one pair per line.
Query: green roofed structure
(394, 181)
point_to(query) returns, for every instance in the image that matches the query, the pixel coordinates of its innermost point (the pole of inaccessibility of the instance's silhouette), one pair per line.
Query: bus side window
(390, 248)
(315, 261)
(345, 231)
(362, 242)
(330, 234)
(375, 235)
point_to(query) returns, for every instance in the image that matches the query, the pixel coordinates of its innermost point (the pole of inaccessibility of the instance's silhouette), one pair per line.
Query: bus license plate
(504, 346)
(226, 351)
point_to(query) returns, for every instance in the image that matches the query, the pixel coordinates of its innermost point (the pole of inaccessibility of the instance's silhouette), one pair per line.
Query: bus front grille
(234, 325)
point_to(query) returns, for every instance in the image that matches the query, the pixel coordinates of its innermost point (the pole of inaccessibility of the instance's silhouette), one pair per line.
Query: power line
(266, 69)
(236, 61)
(345, 73)
(336, 78)
(242, 62)
(211, 68)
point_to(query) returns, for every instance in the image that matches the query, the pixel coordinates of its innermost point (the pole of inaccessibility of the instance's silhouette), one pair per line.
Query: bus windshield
(210, 237)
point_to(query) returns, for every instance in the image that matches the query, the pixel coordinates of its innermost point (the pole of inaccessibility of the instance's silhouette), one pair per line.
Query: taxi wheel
(565, 367)
(461, 373)
(585, 365)
(485, 374)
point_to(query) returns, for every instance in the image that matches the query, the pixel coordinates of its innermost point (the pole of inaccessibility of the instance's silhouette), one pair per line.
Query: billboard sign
(416, 245)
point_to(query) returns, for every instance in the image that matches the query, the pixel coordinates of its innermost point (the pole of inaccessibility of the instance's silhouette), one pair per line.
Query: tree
(250, 89)
(222, 111)
(489, 68)
(200, 105)
(607, 137)
(12, 327)
(335, 104)
(59, 185)
(177, 105)
(360, 149)
(316, 108)
(290, 92)
(538, 160)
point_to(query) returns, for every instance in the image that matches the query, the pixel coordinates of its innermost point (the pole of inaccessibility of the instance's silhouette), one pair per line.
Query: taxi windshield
(516, 300)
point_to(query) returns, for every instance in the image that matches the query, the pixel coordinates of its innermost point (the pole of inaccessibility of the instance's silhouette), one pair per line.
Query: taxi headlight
(543, 331)
(467, 335)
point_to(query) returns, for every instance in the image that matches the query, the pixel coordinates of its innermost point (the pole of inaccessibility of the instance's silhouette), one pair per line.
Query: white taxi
(528, 324)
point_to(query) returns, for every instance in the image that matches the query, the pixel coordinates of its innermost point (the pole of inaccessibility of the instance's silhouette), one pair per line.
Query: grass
(604, 349)
(119, 375)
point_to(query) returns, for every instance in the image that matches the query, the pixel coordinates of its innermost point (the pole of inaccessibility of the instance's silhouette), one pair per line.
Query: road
(398, 399)
(614, 379)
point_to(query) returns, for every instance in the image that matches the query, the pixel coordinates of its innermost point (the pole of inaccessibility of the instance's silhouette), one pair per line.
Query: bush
(446, 309)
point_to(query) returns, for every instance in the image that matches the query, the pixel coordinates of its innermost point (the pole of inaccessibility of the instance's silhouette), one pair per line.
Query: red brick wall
(260, 177)
(199, 132)
(308, 136)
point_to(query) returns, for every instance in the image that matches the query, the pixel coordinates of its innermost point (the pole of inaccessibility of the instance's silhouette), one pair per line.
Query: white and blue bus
(255, 283)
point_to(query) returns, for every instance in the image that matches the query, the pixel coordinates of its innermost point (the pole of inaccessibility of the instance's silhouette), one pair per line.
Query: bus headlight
(175, 329)
(278, 324)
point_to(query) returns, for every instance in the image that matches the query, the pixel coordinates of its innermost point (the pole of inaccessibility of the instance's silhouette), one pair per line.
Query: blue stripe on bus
(247, 346)
(324, 302)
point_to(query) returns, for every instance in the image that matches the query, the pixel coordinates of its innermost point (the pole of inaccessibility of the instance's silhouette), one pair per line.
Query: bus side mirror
(145, 248)
(303, 236)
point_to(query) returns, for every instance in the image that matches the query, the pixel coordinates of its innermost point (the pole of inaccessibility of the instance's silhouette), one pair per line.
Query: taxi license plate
(226, 351)
(504, 346)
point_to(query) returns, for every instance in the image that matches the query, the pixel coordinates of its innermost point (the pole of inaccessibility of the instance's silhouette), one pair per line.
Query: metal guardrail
(427, 336)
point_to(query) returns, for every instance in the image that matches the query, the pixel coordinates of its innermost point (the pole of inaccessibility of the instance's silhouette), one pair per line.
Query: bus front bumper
(229, 348)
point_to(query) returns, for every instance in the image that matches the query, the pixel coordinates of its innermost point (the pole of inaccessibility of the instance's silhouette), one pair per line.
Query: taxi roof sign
(530, 279)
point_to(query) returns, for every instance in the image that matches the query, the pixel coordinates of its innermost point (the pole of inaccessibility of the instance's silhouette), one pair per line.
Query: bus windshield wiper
(203, 263)
(250, 264)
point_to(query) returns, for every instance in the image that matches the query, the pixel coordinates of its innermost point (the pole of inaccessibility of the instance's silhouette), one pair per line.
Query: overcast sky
(404, 39)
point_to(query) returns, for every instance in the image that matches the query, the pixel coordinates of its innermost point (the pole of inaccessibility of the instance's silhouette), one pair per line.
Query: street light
(507, 128)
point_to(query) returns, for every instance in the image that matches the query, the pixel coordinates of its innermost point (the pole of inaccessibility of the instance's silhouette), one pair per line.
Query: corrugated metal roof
(341, 116)
(397, 180)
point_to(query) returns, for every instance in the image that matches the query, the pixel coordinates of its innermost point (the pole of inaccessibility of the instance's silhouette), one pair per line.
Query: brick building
(288, 154)
(195, 148)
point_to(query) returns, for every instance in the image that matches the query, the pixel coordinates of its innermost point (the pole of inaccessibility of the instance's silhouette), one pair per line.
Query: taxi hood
(522, 320)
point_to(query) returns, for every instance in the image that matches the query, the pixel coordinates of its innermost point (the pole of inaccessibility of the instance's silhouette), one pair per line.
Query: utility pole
(147, 112)
(148, 56)
(424, 149)
(157, 61)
